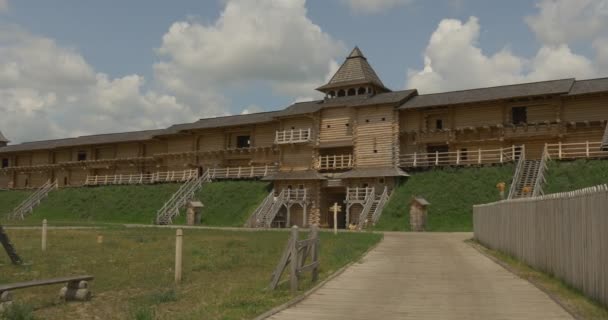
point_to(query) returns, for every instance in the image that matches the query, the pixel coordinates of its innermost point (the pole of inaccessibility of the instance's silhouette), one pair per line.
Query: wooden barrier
(76, 289)
(562, 234)
(295, 254)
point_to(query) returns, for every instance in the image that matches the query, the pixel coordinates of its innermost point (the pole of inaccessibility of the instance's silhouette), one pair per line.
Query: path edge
(318, 286)
(471, 242)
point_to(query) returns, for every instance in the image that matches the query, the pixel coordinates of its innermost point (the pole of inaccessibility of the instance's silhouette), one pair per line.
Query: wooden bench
(76, 289)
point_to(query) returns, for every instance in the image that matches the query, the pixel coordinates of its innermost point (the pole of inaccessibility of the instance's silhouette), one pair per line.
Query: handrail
(171, 208)
(459, 157)
(540, 176)
(369, 201)
(575, 150)
(142, 178)
(34, 199)
(293, 136)
(242, 172)
(381, 203)
(518, 171)
(274, 210)
(354, 194)
(334, 162)
(254, 218)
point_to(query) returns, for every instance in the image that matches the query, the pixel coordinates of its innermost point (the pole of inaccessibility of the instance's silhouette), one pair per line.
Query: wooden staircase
(372, 212)
(27, 206)
(529, 174)
(170, 209)
(264, 215)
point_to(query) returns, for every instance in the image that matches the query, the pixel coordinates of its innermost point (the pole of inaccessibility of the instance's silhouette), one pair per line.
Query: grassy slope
(10, 199)
(135, 204)
(571, 175)
(451, 192)
(230, 203)
(225, 273)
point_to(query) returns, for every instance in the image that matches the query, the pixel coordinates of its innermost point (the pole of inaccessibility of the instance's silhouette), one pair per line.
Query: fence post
(315, 251)
(293, 275)
(501, 154)
(479, 155)
(179, 235)
(436, 158)
(559, 149)
(415, 158)
(587, 150)
(44, 226)
(457, 156)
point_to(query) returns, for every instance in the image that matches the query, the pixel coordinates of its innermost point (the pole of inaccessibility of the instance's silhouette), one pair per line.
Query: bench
(76, 289)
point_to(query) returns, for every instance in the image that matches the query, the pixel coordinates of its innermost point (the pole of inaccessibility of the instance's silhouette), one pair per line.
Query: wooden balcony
(293, 136)
(242, 172)
(295, 195)
(460, 158)
(358, 194)
(579, 150)
(142, 178)
(335, 162)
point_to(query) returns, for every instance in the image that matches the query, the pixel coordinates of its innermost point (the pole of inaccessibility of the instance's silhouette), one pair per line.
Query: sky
(73, 67)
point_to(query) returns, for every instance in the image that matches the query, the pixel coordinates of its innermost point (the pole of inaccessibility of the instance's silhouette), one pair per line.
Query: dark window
(439, 124)
(65, 181)
(464, 154)
(4, 162)
(341, 93)
(352, 92)
(381, 180)
(519, 115)
(82, 156)
(329, 126)
(361, 91)
(243, 142)
(301, 186)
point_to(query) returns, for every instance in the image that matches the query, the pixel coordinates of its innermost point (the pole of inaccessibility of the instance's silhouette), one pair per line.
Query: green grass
(11, 199)
(570, 298)
(227, 203)
(225, 272)
(565, 176)
(452, 193)
(230, 203)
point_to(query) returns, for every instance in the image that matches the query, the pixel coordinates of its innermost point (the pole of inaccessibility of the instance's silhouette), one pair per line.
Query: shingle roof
(3, 138)
(295, 175)
(225, 121)
(355, 70)
(490, 94)
(82, 141)
(605, 141)
(373, 172)
(589, 86)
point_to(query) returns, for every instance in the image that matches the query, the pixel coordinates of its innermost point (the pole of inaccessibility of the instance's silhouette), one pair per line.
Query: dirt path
(426, 276)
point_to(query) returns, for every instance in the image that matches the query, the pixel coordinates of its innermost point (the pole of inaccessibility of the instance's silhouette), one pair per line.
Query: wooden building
(351, 147)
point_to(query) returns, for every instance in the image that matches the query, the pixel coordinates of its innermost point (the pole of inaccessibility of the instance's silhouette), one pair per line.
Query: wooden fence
(578, 150)
(563, 234)
(295, 255)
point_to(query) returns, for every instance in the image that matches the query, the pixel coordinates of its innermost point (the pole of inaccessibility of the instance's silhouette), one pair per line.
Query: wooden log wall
(561, 234)
(375, 141)
(336, 125)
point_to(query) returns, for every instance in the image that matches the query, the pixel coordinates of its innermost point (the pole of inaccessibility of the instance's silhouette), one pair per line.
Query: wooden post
(457, 156)
(293, 275)
(179, 235)
(335, 207)
(560, 149)
(44, 225)
(436, 158)
(415, 154)
(315, 251)
(479, 155)
(501, 153)
(587, 149)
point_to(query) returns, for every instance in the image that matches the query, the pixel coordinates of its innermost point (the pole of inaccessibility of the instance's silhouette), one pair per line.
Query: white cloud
(374, 6)
(48, 91)
(454, 60)
(567, 21)
(3, 6)
(271, 41)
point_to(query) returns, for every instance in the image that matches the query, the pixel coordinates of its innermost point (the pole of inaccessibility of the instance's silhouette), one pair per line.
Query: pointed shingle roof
(3, 138)
(354, 71)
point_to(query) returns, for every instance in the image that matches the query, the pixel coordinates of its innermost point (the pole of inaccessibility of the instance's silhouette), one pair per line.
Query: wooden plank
(36, 283)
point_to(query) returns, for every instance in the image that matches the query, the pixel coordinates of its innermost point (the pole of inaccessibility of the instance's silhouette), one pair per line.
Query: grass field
(11, 199)
(452, 193)
(227, 203)
(571, 175)
(225, 273)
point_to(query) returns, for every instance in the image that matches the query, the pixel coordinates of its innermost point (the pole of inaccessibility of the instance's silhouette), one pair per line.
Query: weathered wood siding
(296, 157)
(211, 141)
(41, 157)
(581, 109)
(409, 120)
(542, 113)
(105, 152)
(264, 135)
(561, 234)
(180, 144)
(128, 150)
(336, 125)
(483, 114)
(155, 147)
(375, 139)
(62, 156)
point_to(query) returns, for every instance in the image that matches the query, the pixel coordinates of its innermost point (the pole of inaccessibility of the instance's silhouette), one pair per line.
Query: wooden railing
(142, 178)
(295, 195)
(358, 194)
(178, 200)
(28, 205)
(562, 234)
(335, 162)
(256, 218)
(540, 175)
(578, 150)
(380, 206)
(460, 158)
(518, 172)
(293, 136)
(242, 172)
(367, 206)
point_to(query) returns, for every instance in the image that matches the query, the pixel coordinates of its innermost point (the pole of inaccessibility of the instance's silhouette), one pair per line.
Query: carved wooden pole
(335, 207)
(178, 255)
(44, 224)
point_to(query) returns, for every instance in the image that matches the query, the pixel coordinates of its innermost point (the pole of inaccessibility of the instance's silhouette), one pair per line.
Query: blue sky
(107, 62)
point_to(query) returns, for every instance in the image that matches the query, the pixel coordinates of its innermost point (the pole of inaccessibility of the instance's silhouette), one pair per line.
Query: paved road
(426, 276)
